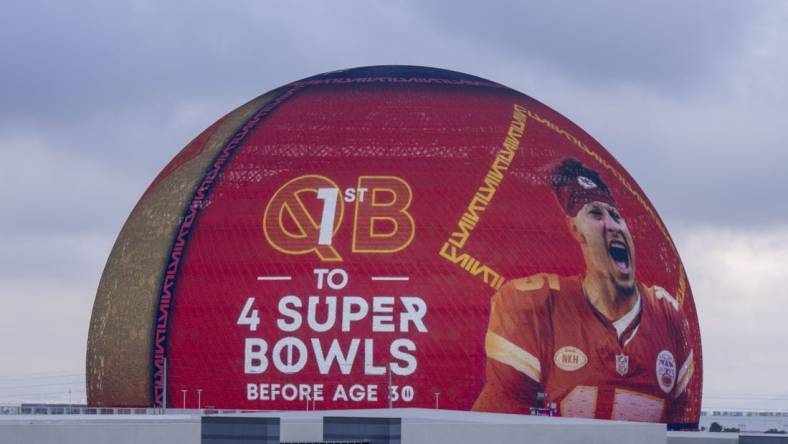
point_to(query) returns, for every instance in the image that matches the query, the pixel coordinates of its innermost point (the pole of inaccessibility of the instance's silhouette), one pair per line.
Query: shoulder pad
(527, 293)
(537, 282)
(662, 294)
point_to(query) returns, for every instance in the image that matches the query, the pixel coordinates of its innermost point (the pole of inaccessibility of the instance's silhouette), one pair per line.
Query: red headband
(576, 193)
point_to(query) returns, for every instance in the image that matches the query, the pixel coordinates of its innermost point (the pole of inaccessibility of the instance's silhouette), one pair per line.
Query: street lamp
(391, 398)
(199, 399)
(183, 406)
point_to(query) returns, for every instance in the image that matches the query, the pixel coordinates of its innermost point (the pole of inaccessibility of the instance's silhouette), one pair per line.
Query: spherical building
(402, 229)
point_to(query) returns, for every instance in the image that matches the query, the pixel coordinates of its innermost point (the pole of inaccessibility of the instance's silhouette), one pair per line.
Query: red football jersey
(544, 336)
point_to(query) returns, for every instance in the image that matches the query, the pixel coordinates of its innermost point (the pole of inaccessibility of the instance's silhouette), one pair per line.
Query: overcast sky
(691, 97)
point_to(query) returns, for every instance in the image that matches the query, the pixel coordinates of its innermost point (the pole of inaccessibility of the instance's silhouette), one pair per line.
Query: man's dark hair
(568, 171)
(576, 185)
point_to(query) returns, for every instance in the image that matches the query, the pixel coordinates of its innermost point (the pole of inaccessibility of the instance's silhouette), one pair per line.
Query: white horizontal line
(273, 278)
(390, 278)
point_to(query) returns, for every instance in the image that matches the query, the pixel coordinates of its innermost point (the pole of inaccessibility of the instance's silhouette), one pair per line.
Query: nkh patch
(570, 358)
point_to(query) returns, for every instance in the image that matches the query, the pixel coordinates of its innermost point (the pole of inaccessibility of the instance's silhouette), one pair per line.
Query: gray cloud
(736, 279)
(667, 45)
(65, 60)
(668, 88)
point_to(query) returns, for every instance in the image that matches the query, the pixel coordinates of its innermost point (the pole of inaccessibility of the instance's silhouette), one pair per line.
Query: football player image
(597, 345)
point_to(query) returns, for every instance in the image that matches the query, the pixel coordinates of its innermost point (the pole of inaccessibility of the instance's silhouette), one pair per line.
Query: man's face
(607, 244)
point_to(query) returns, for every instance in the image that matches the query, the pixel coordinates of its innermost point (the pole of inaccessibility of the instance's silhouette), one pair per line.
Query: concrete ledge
(176, 429)
(457, 427)
(702, 438)
(417, 426)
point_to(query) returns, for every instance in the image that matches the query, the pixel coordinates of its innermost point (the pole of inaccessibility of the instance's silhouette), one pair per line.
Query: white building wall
(29, 430)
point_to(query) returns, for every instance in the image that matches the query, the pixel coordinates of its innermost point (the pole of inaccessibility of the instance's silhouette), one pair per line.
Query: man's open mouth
(620, 254)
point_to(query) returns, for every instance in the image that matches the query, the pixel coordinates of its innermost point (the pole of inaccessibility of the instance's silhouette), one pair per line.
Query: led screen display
(401, 232)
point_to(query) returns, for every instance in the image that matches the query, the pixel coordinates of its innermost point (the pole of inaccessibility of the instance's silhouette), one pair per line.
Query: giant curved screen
(400, 230)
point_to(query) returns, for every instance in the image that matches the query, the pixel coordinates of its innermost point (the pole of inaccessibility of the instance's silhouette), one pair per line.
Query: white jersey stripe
(500, 349)
(631, 336)
(685, 374)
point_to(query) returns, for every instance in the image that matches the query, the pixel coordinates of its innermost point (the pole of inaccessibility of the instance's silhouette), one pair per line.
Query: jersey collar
(625, 321)
(627, 325)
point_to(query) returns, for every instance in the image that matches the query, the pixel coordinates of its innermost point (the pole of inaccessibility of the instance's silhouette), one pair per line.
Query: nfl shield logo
(622, 364)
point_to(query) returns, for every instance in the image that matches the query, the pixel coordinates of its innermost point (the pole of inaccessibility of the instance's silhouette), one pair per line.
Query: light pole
(199, 399)
(391, 400)
(164, 392)
(183, 406)
(437, 395)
